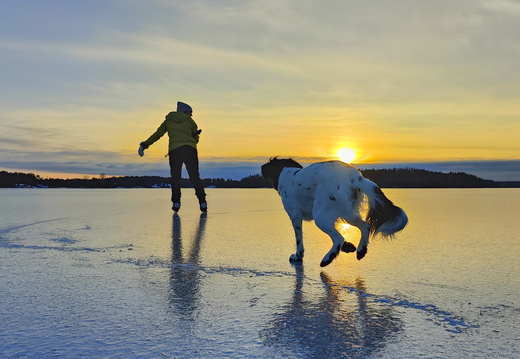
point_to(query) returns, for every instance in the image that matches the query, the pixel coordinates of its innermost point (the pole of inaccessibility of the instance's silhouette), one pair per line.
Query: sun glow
(346, 154)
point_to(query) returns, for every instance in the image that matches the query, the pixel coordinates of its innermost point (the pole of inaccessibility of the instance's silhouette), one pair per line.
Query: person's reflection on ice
(185, 274)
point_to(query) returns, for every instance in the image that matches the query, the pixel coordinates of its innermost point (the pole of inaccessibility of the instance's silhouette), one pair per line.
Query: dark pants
(185, 155)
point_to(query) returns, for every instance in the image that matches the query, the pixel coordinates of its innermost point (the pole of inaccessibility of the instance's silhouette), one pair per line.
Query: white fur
(328, 191)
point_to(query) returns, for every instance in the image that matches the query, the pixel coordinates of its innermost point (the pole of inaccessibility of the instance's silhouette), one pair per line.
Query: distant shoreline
(385, 178)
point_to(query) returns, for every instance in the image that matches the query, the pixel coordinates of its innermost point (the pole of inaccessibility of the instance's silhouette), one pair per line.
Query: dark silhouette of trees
(12, 179)
(416, 178)
(386, 178)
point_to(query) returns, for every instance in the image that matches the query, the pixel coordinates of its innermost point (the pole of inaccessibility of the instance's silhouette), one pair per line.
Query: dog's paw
(325, 263)
(361, 252)
(348, 247)
(328, 259)
(296, 257)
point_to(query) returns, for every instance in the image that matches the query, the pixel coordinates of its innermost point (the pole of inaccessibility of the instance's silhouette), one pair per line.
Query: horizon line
(505, 170)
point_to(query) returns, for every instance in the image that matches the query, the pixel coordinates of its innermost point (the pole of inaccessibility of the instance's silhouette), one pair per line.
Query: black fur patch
(354, 194)
(272, 169)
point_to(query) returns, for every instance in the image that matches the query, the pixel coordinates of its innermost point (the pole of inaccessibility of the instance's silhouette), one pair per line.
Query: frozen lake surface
(113, 274)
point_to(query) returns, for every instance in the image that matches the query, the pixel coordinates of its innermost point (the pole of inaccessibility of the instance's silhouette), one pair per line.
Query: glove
(196, 133)
(142, 146)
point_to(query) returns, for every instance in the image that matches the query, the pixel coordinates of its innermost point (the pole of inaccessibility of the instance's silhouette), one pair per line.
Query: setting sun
(346, 154)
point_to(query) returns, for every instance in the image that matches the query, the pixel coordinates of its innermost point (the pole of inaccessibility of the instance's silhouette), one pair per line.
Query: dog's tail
(383, 216)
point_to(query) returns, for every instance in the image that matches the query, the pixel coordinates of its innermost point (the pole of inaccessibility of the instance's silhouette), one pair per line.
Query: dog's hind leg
(364, 227)
(297, 226)
(328, 226)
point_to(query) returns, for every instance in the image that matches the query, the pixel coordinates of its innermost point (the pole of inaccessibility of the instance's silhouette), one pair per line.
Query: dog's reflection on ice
(343, 322)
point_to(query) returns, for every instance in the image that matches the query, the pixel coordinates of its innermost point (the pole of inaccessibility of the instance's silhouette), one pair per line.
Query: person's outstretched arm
(153, 138)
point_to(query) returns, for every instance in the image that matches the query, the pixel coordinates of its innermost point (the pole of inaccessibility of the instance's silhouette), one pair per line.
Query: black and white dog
(328, 191)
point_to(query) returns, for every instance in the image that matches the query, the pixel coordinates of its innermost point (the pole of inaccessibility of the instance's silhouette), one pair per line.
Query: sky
(425, 84)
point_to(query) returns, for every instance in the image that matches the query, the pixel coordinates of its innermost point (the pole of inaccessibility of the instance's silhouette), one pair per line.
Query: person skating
(183, 135)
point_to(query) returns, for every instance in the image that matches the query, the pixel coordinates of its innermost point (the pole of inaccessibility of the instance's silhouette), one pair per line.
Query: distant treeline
(416, 178)
(386, 178)
(17, 179)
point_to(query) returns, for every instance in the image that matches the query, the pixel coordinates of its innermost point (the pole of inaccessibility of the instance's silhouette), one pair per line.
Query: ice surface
(112, 273)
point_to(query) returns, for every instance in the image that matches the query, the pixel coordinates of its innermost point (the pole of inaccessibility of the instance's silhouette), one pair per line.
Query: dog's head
(272, 169)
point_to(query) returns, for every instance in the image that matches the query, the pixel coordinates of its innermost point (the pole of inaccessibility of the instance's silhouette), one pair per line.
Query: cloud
(503, 6)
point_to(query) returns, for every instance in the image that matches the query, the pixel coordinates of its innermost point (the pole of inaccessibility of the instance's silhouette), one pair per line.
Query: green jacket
(181, 129)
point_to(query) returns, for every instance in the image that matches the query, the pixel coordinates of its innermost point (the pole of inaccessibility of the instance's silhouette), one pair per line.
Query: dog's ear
(271, 171)
(266, 173)
(293, 163)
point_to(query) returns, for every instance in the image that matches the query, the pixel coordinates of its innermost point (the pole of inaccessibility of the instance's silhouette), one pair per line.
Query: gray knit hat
(183, 107)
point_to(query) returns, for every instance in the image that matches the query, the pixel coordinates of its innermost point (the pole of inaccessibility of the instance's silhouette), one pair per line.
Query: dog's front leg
(297, 225)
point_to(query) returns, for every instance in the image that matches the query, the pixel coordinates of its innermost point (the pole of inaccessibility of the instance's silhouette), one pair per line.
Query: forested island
(385, 178)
